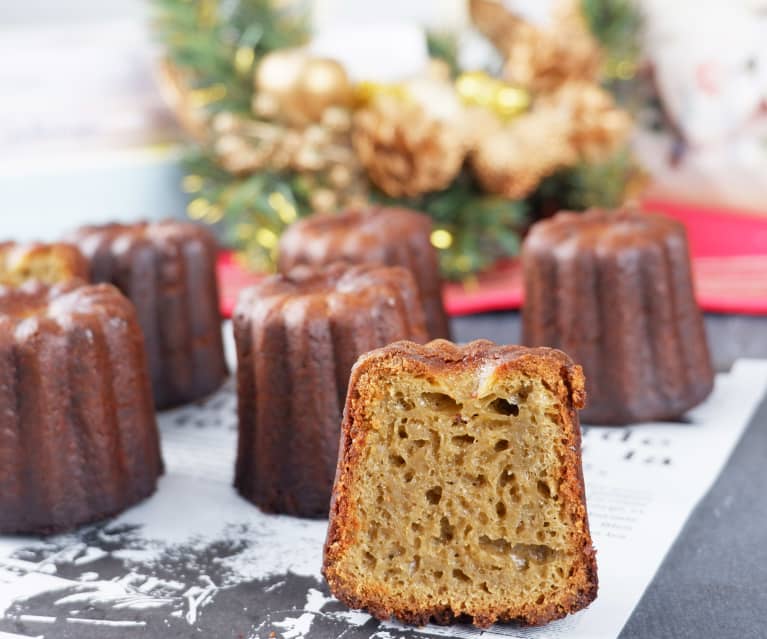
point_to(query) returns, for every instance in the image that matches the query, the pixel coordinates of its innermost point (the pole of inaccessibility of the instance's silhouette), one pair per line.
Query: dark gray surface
(713, 582)
(729, 336)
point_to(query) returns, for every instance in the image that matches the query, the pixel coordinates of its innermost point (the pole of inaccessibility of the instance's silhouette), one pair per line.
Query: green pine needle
(202, 38)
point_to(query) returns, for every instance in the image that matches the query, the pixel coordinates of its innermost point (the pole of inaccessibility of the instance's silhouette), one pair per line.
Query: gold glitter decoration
(406, 151)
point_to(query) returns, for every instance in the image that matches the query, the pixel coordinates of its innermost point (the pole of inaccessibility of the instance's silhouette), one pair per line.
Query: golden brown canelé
(382, 235)
(297, 337)
(168, 270)
(614, 290)
(459, 489)
(78, 437)
(45, 263)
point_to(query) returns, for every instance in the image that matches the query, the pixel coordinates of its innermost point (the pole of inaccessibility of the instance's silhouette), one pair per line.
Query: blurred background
(87, 134)
(84, 133)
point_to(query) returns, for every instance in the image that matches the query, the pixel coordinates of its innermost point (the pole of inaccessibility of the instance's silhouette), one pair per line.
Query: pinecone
(542, 62)
(597, 125)
(513, 161)
(540, 59)
(243, 146)
(405, 151)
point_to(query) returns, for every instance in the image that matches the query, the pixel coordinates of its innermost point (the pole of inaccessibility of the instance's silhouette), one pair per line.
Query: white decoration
(711, 78)
(448, 15)
(539, 12)
(387, 52)
(710, 67)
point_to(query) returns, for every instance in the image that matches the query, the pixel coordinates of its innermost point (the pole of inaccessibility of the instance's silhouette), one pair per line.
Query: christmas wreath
(279, 130)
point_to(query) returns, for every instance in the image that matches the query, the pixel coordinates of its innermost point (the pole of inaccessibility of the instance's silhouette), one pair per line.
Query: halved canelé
(44, 263)
(459, 490)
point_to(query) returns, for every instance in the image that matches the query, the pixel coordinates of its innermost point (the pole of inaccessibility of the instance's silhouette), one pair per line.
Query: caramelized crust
(297, 337)
(380, 235)
(614, 290)
(459, 490)
(168, 270)
(78, 437)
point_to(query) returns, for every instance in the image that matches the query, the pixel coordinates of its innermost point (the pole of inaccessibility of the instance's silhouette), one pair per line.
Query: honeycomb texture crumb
(459, 490)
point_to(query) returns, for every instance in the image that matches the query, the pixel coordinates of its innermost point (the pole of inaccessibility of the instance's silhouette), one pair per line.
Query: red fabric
(232, 278)
(729, 258)
(715, 232)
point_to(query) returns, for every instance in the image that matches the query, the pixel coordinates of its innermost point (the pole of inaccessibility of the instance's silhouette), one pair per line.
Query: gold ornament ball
(277, 75)
(323, 83)
(323, 201)
(278, 71)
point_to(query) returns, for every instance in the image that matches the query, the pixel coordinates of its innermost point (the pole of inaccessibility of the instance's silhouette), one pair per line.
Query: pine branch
(617, 25)
(203, 41)
(208, 41)
(589, 185)
(483, 228)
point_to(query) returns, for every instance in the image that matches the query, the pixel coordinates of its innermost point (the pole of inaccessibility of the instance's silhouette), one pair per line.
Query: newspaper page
(197, 560)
